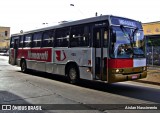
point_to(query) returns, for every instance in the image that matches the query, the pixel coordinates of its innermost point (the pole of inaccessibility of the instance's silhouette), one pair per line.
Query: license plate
(134, 76)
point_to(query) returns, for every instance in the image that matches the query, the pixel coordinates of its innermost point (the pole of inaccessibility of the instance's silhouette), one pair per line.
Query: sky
(31, 14)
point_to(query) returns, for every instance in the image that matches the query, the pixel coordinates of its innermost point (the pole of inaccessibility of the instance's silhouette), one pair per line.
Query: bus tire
(24, 66)
(73, 74)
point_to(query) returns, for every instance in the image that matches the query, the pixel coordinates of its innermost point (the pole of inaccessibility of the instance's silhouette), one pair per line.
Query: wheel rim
(72, 74)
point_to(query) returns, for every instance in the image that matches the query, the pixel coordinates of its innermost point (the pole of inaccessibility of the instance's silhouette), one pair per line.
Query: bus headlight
(117, 70)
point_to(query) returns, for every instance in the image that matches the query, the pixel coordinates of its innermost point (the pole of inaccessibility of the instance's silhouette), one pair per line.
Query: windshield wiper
(128, 35)
(125, 32)
(133, 33)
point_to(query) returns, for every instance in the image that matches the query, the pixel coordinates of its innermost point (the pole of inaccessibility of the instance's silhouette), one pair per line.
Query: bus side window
(27, 40)
(37, 39)
(79, 36)
(16, 43)
(12, 42)
(98, 41)
(48, 39)
(105, 42)
(21, 42)
(62, 37)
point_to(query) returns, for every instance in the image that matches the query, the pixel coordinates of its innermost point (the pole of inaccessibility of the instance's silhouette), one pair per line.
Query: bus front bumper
(127, 77)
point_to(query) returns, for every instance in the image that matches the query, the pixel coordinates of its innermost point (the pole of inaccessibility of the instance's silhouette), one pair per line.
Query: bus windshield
(127, 43)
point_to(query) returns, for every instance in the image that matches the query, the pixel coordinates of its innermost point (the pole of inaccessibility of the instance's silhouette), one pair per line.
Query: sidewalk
(153, 76)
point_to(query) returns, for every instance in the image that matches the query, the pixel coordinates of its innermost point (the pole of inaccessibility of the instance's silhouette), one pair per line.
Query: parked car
(4, 53)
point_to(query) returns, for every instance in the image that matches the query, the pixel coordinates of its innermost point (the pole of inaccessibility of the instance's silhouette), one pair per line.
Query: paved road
(41, 88)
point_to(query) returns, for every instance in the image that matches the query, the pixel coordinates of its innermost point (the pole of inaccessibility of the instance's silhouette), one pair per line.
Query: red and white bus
(104, 48)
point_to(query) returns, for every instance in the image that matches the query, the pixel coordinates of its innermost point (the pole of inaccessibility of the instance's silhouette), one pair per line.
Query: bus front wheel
(73, 75)
(23, 66)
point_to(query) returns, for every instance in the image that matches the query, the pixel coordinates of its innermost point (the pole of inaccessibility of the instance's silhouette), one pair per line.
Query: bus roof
(71, 23)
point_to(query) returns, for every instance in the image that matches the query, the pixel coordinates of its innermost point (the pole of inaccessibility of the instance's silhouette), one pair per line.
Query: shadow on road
(132, 91)
(8, 98)
(127, 90)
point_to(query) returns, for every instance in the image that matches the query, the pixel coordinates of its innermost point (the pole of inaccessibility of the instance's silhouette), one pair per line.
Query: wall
(152, 28)
(4, 37)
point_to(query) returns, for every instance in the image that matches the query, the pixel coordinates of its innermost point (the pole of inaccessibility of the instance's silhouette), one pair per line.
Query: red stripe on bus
(120, 63)
(43, 54)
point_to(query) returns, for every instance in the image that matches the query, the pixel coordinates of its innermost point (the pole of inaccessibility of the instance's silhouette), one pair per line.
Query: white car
(4, 53)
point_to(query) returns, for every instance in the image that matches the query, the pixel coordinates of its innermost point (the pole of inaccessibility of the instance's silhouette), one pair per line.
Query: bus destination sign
(125, 22)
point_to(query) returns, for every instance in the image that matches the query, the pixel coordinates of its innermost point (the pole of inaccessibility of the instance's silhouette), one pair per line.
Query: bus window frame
(21, 41)
(39, 40)
(57, 32)
(30, 41)
(12, 41)
(84, 33)
(105, 28)
(51, 36)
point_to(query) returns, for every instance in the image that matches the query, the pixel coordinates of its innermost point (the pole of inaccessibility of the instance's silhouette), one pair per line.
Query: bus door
(100, 44)
(15, 51)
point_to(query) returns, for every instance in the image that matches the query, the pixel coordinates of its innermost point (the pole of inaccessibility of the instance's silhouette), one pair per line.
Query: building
(152, 33)
(4, 37)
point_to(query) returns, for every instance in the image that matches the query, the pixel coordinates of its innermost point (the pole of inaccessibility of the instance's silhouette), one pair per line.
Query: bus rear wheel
(23, 66)
(73, 75)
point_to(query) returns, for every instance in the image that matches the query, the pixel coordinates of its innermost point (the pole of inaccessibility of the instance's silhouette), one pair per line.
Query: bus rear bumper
(120, 77)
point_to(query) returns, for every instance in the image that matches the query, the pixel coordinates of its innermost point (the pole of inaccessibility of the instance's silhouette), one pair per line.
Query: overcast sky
(30, 14)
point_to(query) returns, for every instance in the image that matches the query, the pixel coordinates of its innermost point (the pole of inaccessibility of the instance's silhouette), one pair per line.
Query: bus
(105, 48)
